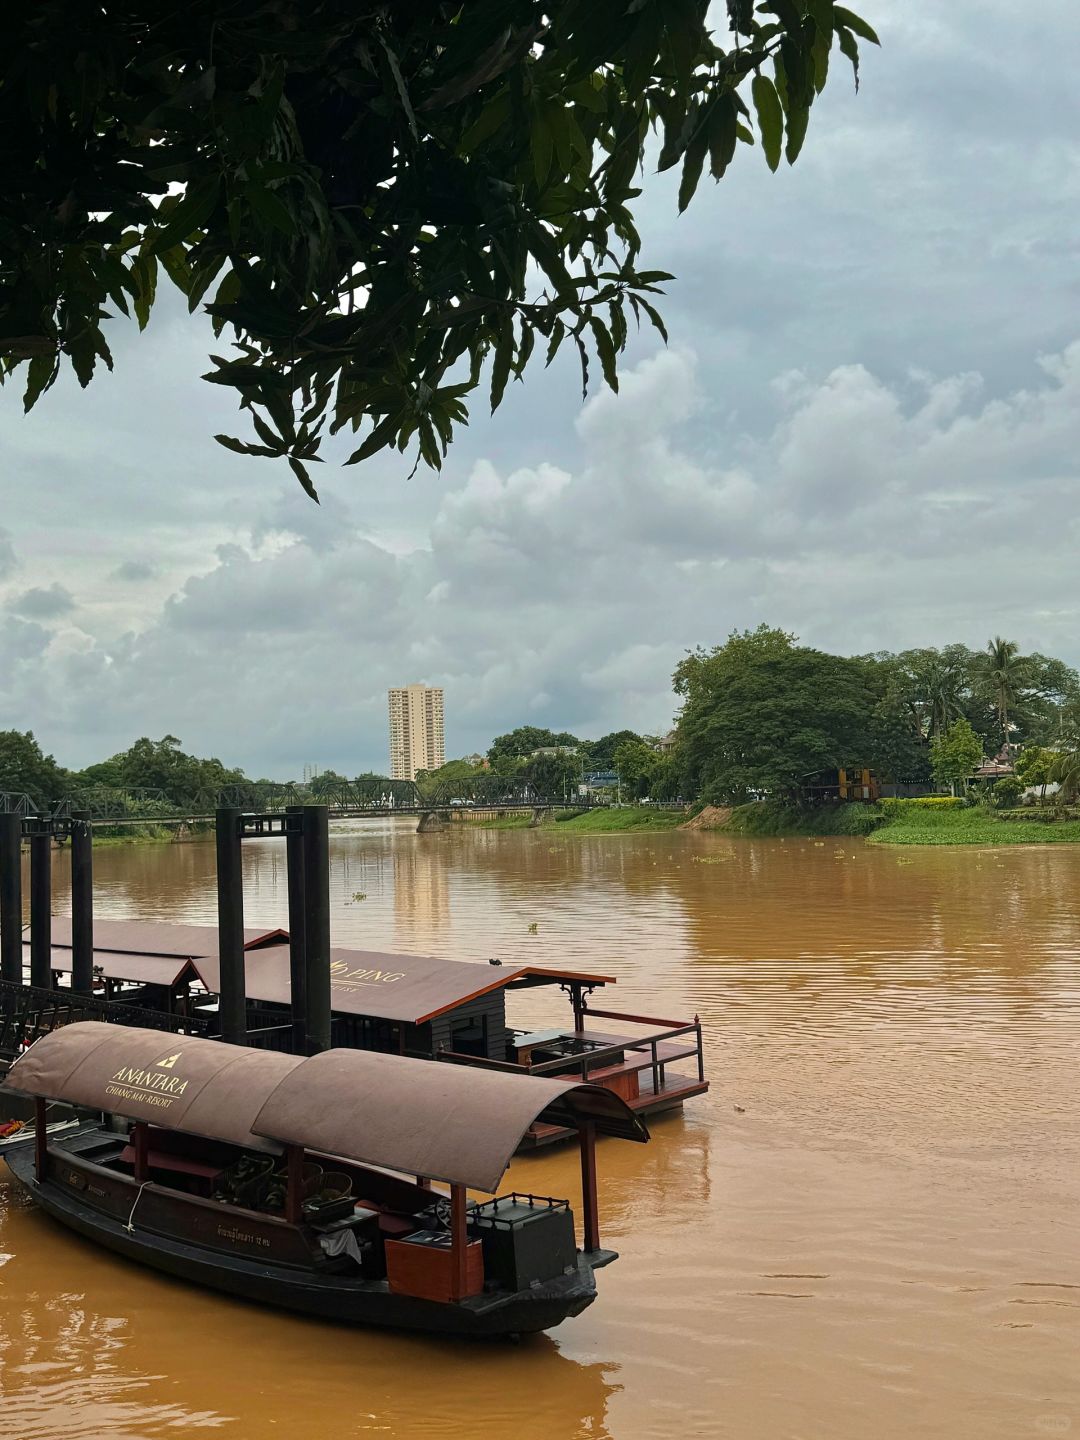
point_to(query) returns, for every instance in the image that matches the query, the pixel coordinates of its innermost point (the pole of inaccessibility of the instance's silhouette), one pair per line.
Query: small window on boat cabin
(468, 1035)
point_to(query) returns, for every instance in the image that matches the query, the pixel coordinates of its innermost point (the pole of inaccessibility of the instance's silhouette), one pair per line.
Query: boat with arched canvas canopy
(309, 1182)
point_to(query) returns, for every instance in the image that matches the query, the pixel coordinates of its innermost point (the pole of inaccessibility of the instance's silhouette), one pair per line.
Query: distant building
(311, 772)
(666, 742)
(417, 740)
(554, 750)
(478, 762)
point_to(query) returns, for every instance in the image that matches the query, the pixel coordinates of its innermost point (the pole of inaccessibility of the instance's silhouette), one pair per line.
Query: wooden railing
(595, 1057)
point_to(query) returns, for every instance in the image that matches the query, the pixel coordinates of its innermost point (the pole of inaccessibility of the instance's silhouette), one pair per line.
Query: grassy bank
(931, 820)
(595, 822)
(971, 826)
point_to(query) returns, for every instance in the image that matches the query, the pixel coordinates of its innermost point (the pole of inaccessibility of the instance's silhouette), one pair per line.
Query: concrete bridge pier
(431, 822)
(539, 815)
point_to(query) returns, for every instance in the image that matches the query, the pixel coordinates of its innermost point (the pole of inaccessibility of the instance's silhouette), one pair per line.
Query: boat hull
(330, 1297)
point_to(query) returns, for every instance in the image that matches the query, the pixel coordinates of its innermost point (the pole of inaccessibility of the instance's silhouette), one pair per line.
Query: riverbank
(932, 820)
(602, 821)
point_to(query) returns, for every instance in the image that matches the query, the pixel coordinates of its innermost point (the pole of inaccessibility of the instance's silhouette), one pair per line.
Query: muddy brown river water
(869, 1228)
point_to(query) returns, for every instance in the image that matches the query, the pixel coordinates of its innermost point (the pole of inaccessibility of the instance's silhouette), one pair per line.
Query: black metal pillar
(11, 965)
(317, 926)
(82, 902)
(294, 860)
(41, 906)
(230, 887)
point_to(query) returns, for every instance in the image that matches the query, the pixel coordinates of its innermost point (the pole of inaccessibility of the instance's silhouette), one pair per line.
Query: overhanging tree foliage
(372, 198)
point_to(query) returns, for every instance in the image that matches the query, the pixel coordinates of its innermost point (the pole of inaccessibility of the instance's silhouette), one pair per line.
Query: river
(869, 1227)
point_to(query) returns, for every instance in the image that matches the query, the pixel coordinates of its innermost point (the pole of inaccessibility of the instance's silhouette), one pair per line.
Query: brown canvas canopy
(147, 952)
(173, 1081)
(460, 1125)
(411, 989)
(447, 1122)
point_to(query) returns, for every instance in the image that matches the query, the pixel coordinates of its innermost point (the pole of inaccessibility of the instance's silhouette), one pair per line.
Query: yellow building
(417, 740)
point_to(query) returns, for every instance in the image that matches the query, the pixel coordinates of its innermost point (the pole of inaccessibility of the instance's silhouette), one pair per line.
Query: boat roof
(411, 989)
(147, 951)
(452, 1123)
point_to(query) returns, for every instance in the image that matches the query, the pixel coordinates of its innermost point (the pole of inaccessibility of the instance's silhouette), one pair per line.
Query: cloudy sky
(866, 430)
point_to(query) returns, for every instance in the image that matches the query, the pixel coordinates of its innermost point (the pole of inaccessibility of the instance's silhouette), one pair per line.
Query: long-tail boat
(417, 1005)
(307, 1182)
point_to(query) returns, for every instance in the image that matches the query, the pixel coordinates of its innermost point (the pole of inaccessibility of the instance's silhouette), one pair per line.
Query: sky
(865, 430)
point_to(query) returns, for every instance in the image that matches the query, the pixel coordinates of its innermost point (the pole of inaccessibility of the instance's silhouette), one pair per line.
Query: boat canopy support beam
(589, 1204)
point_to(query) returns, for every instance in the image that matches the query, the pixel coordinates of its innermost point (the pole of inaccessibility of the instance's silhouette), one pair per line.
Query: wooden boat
(307, 1183)
(417, 1005)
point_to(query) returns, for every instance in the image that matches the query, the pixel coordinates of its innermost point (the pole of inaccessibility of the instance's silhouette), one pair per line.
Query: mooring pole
(82, 902)
(317, 927)
(41, 906)
(230, 888)
(11, 963)
(294, 863)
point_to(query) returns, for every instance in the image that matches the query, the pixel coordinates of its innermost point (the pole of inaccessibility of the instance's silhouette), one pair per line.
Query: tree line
(761, 714)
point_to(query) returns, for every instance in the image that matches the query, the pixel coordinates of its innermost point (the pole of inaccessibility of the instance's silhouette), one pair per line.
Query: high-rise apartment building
(416, 731)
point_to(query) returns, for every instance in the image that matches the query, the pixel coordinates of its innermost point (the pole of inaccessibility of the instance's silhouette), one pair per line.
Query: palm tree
(939, 681)
(1066, 771)
(1008, 672)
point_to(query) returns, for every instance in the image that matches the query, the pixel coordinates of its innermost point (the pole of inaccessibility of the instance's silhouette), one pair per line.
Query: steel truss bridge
(354, 799)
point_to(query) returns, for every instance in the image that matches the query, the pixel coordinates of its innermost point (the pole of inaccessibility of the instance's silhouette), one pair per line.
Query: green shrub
(900, 805)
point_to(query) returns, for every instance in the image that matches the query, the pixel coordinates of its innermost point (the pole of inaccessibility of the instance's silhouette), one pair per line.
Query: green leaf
(500, 370)
(854, 23)
(269, 208)
(722, 136)
(797, 122)
(692, 167)
(606, 350)
(300, 471)
(240, 447)
(144, 274)
(770, 118)
(543, 148)
(654, 316)
(379, 439)
(194, 210)
(850, 47)
(41, 373)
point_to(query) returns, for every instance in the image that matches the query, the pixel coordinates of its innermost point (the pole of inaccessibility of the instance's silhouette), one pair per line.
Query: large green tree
(763, 714)
(161, 765)
(25, 768)
(955, 754)
(373, 198)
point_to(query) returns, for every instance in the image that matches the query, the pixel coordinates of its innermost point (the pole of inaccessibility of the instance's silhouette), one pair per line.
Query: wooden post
(41, 907)
(230, 888)
(82, 902)
(140, 1138)
(11, 962)
(294, 865)
(317, 926)
(589, 1206)
(294, 1185)
(41, 1140)
(458, 1241)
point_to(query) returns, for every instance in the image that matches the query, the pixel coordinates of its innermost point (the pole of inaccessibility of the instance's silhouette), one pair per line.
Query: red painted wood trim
(458, 1240)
